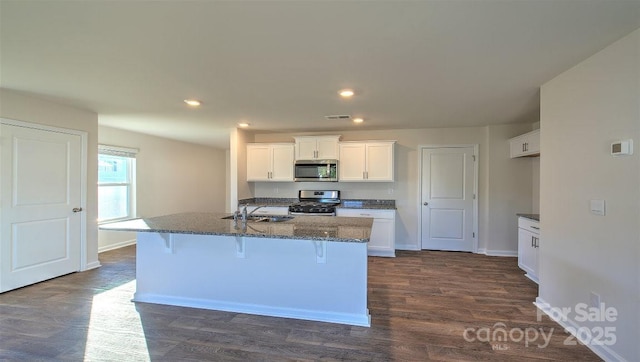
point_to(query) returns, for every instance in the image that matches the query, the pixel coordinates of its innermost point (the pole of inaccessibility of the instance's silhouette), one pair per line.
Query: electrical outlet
(390, 191)
(275, 190)
(594, 300)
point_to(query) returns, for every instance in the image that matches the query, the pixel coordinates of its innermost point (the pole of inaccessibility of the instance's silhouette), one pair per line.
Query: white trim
(92, 265)
(117, 151)
(84, 136)
(570, 326)
(115, 246)
(312, 315)
(410, 247)
(506, 253)
(476, 165)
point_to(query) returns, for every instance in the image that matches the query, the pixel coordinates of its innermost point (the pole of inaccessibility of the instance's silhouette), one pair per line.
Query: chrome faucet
(242, 214)
(254, 210)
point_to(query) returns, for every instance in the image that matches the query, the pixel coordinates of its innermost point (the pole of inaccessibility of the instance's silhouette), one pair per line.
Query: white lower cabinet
(382, 241)
(528, 247)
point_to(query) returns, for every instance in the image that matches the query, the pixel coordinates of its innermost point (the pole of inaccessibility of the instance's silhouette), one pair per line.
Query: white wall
(171, 177)
(510, 189)
(495, 168)
(239, 188)
(583, 111)
(28, 108)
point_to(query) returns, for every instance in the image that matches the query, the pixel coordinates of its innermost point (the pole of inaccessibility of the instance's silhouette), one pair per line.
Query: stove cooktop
(316, 202)
(313, 208)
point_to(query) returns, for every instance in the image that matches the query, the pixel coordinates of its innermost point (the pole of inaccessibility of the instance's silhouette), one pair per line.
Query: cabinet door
(282, 161)
(524, 243)
(533, 143)
(382, 236)
(528, 253)
(258, 162)
(305, 148)
(527, 144)
(382, 241)
(379, 162)
(535, 258)
(352, 161)
(516, 147)
(327, 148)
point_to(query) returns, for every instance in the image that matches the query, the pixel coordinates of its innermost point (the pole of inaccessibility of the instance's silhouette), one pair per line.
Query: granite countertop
(268, 201)
(535, 217)
(322, 228)
(345, 204)
(368, 204)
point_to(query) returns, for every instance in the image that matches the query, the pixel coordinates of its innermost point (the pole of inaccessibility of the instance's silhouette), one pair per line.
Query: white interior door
(448, 179)
(40, 185)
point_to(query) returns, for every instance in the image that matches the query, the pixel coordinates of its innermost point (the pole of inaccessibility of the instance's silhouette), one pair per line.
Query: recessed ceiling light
(346, 93)
(192, 102)
(358, 120)
(243, 124)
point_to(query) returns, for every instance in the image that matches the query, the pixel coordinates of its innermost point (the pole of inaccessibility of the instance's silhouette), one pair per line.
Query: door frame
(83, 175)
(476, 163)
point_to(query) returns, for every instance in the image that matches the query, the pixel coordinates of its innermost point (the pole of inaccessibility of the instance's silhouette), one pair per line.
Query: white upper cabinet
(366, 161)
(317, 147)
(527, 144)
(270, 161)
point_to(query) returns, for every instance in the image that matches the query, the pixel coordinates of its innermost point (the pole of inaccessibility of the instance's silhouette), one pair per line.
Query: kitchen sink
(264, 218)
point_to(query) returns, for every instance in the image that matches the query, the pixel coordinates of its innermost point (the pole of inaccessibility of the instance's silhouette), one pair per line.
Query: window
(116, 183)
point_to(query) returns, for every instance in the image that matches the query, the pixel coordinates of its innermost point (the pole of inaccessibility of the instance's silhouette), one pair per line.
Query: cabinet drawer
(530, 225)
(376, 214)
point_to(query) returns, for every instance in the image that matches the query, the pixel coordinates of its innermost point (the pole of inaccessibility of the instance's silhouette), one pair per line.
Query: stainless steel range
(314, 202)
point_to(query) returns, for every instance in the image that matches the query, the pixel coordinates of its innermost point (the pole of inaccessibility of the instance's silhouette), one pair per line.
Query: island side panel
(275, 277)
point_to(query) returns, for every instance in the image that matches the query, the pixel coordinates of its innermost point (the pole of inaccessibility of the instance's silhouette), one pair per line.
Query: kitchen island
(309, 267)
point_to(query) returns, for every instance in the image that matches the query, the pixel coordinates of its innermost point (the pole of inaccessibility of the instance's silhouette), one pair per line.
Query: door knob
(76, 209)
(425, 203)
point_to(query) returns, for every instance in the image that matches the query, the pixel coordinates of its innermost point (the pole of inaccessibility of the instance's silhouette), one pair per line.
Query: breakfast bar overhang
(310, 267)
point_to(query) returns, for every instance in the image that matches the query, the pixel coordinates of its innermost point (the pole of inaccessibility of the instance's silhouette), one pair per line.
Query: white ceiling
(279, 65)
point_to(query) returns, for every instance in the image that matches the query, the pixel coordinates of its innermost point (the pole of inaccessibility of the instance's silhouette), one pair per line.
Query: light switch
(597, 207)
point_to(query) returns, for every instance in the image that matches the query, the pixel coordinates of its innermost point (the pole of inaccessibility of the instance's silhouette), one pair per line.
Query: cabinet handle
(535, 227)
(523, 147)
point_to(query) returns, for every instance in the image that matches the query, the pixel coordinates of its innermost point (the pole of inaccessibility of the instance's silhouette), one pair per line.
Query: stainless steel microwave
(316, 170)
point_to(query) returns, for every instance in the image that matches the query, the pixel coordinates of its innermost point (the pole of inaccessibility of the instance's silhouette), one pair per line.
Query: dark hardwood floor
(421, 304)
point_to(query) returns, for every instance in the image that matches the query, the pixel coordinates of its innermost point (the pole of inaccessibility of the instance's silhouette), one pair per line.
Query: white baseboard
(119, 245)
(509, 253)
(313, 315)
(383, 253)
(570, 326)
(92, 265)
(410, 247)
